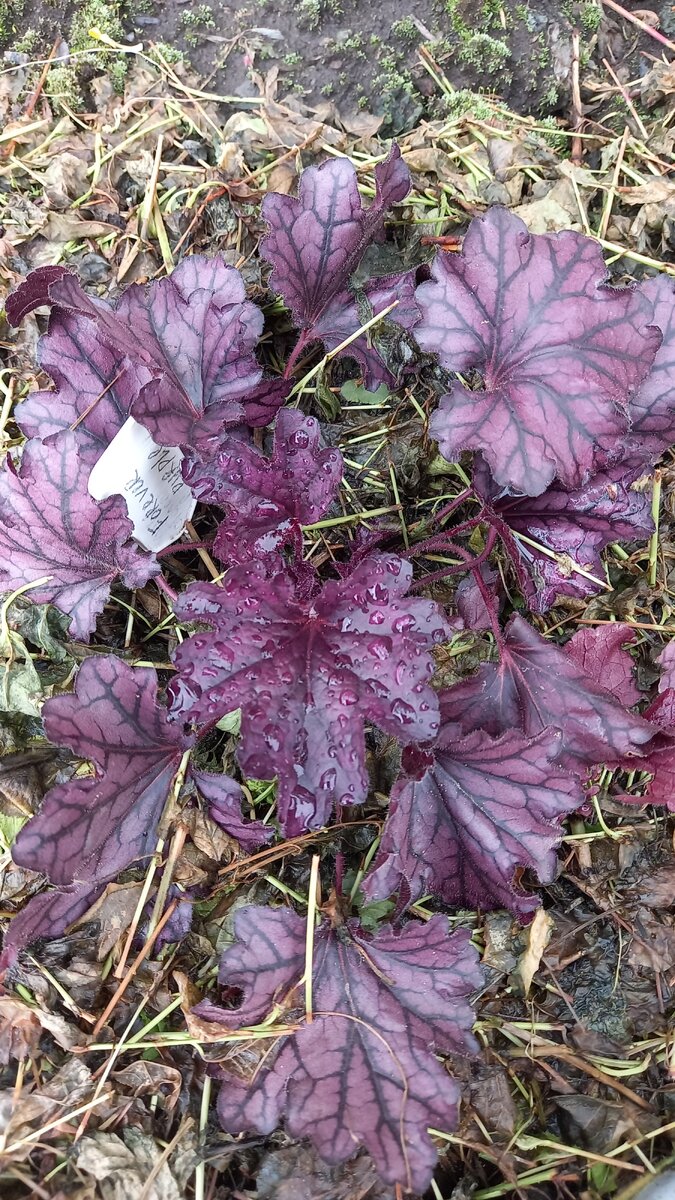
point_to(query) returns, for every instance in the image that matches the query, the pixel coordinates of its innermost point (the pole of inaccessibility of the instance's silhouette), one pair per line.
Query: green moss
(194, 21)
(464, 102)
(310, 12)
(27, 43)
(549, 130)
(170, 54)
(10, 12)
(292, 59)
(591, 16)
(523, 13)
(405, 29)
(63, 88)
(486, 53)
(103, 15)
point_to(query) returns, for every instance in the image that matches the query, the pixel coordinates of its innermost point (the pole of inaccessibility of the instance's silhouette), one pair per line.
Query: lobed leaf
(90, 829)
(652, 411)
(601, 653)
(268, 499)
(536, 685)
(472, 813)
(47, 915)
(50, 527)
(561, 353)
(95, 387)
(576, 526)
(307, 674)
(362, 1072)
(315, 242)
(191, 338)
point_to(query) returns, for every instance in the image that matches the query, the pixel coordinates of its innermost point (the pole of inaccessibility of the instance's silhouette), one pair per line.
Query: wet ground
(361, 57)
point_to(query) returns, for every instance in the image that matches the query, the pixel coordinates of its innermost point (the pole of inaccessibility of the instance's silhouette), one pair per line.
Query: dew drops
(378, 593)
(377, 617)
(348, 697)
(328, 780)
(404, 623)
(299, 439)
(403, 712)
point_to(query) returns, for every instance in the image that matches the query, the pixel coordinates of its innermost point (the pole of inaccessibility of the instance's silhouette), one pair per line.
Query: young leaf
(561, 353)
(362, 1072)
(601, 653)
(93, 827)
(536, 685)
(348, 311)
(576, 526)
(307, 673)
(51, 528)
(268, 499)
(471, 812)
(223, 796)
(192, 337)
(315, 242)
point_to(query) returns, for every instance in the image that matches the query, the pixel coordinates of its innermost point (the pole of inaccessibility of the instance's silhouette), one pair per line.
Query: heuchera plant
(567, 394)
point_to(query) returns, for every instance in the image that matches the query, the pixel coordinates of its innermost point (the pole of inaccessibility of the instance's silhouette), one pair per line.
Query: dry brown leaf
(539, 935)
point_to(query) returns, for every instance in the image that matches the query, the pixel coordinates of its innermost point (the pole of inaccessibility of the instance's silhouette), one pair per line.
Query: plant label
(149, 478)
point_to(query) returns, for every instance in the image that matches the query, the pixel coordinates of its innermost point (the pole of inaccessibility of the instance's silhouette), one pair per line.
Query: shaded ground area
(362, 58)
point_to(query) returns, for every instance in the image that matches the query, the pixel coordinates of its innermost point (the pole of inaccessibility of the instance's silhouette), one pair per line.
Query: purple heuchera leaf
(561, 355)
(96, 385)
(363, 1071)
(223, 795)
(666, 661)
(268, 499)
(192, 337)
(469, 602)
(576, 526)
(660, 757)
(47, 915)
(307, 673)
(473, 811)
(50, 527)
(90, 829)
(601, 654)
(652, 411)
(536, 685)
(315, 243)
(343, 316)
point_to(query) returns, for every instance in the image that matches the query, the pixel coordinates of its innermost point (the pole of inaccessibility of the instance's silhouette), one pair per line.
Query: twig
(611, 193)
(577, 150)
(640, 24)
(627, 100)
(140, 958)
(35, 95)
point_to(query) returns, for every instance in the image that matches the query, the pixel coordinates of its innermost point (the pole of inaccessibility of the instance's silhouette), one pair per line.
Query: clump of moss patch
(196, 20)
(310, 12)
(405, 29)
(103, 16)
(485, 53)
(465, 103)
(63, 88)
(10, 12)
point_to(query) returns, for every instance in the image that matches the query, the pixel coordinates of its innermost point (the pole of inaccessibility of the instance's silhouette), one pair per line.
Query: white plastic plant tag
(149, 477)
